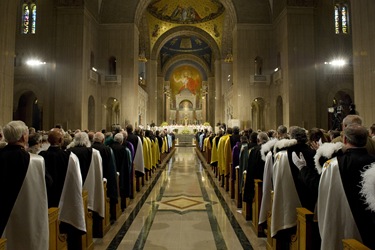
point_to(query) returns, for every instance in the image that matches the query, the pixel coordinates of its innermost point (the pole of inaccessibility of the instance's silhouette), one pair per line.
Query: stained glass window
(25, 19)
(33, 19)
(341, 19)
(28, 18)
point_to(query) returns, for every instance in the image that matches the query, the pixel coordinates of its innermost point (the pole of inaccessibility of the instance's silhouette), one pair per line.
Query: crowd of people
(330, 173)
(44, 169)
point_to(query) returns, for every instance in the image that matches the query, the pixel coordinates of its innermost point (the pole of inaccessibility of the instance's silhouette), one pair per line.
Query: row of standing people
(331, 174)
(35, 178)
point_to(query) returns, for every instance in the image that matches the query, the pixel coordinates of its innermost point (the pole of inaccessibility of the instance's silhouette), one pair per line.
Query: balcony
(259, 80)
(111, 80)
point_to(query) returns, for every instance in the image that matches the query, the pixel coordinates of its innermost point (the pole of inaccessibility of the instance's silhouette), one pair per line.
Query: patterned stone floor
(181, 208)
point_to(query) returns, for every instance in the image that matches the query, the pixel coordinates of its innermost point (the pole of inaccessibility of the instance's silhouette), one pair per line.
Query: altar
(186, 129)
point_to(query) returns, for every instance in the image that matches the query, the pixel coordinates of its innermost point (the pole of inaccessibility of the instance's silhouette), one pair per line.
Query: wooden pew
(246, 207)
(118, 205)
(352, 244)
(87, 241)
(57, 241)
(307, 235)
(237, 189)
(271, 242)
(3, 245)
(102, 225)
(232, 182)
(258, 185)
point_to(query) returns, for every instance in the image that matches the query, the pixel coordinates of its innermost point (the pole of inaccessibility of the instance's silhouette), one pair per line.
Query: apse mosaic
(185, 11)
(185, 78)
(163, 15)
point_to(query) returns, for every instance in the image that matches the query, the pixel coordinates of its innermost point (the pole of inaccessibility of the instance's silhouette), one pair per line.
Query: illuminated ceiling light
(277, 69)
(33, 62)
(94, 69)
(336, 62)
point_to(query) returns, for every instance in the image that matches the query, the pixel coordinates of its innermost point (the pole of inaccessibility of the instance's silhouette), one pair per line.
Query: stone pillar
(152, 90)
(129, 72)
(210, 117)
(8, 17)
(160, 101)
(363, 33)
(218, 95)
(68, 91)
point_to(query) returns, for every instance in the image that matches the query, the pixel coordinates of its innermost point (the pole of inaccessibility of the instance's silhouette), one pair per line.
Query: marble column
(152, 90)
(363, 33)
(8, 15)
(219, 117)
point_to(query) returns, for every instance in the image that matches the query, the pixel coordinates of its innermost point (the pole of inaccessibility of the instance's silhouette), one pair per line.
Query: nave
(182, 207)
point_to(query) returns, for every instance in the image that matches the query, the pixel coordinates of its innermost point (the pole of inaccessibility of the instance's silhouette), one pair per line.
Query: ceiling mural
(163, 15)
(185, 45)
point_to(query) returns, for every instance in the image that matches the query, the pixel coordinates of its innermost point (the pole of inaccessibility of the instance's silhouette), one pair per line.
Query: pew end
(87, 240)
(353, 244)
(102, 225)
(258, 185)
(57, 241)
(307, 234)
(237, 189)
(246, 207)
(3, 245)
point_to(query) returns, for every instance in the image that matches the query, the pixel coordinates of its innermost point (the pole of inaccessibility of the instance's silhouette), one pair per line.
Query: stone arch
(91, 113)
(28, 110)
(185, 30)
(112, 108)
(257, 113)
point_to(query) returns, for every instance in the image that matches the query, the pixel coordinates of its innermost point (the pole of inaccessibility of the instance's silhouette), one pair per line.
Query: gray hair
(14, 130)
(298, 133)
(81, 139)
(356, 135)
(262, 137)
(119, 138)
(352, 119)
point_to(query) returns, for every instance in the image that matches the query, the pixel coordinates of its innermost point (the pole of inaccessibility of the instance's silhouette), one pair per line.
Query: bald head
(55, 137)
(99, 137)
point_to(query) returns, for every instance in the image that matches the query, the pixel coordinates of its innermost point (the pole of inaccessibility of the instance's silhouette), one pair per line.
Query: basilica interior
(256, 63)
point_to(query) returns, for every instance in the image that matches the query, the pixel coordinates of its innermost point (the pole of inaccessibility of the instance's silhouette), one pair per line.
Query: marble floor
(182, 207)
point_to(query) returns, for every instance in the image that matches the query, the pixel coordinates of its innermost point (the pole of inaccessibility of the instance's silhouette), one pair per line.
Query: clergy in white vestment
(23, 194)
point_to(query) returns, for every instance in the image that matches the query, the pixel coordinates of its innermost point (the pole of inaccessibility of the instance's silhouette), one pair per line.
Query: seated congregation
(301, 189)
(59, 190)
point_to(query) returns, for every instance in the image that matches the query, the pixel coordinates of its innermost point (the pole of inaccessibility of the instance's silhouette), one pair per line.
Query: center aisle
(181, 209)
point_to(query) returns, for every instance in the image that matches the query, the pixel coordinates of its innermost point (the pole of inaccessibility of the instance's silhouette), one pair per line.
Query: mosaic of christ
(186, 77)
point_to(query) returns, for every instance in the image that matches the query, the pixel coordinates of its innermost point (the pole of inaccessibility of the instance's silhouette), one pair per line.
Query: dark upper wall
(118, 11)
(253, 11)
